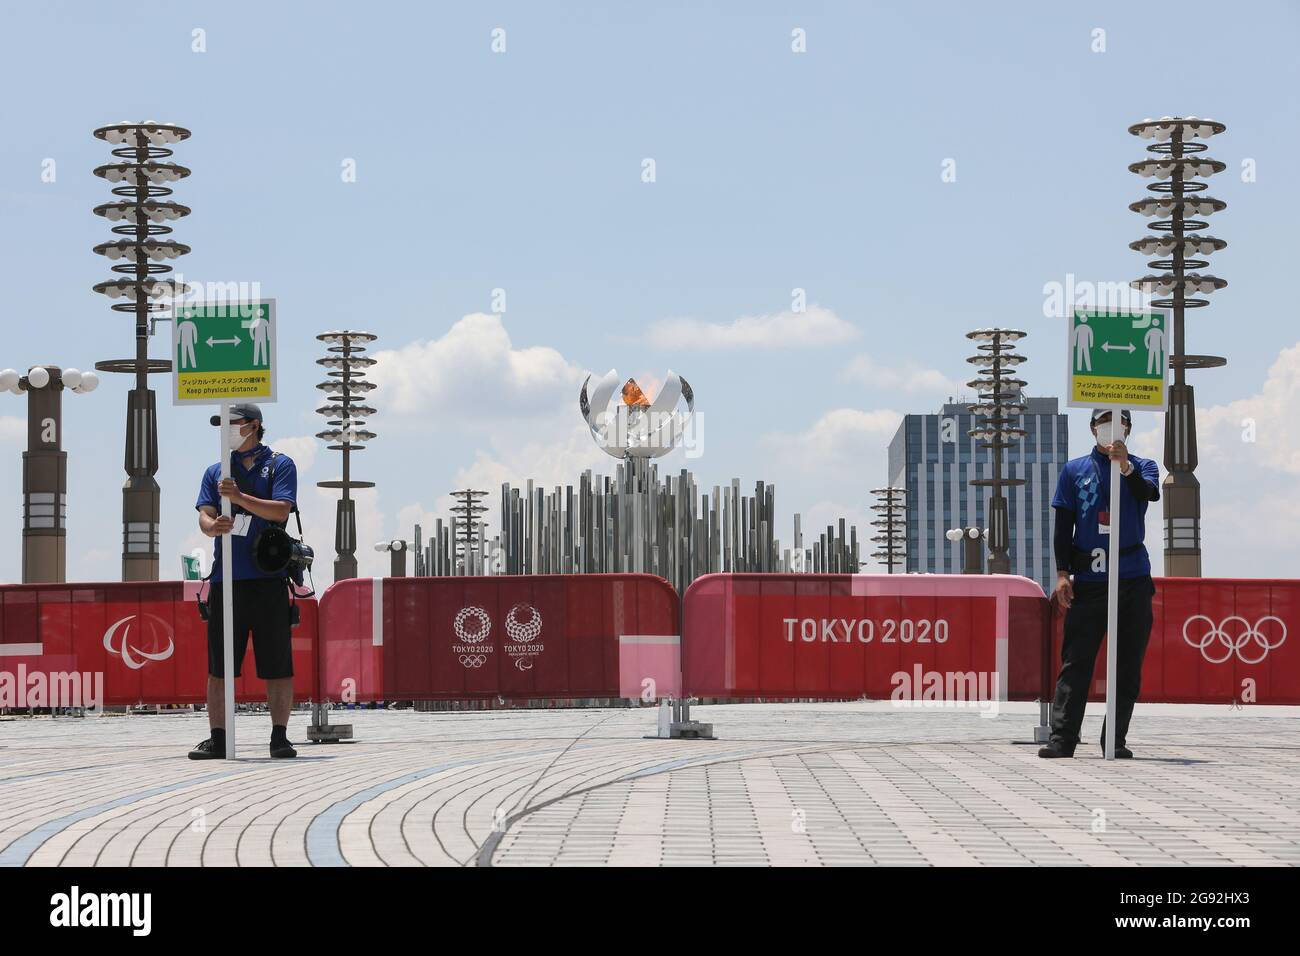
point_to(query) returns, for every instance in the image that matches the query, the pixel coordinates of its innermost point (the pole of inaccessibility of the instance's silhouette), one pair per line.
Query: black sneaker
(282, 749)
(207, 750)
(1055, 749)
(1121, 752)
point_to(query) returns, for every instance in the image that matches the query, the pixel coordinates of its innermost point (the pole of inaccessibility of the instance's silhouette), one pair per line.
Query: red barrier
(607, 636)
(1215, 640)
(522, 637)
(138, 643)
(842, 636)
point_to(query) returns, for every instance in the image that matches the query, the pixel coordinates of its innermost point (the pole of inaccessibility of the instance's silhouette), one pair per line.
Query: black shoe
(1055, 749)
(207, 750)
(282, 748)
(1121, 752)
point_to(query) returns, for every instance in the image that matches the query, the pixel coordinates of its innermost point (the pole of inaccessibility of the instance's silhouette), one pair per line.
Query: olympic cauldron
(634, 520)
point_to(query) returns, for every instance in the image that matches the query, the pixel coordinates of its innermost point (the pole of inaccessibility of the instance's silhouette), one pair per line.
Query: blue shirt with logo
(259, 482)
(1084, 489)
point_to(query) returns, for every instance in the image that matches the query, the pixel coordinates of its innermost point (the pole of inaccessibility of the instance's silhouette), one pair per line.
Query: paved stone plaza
(785, 784)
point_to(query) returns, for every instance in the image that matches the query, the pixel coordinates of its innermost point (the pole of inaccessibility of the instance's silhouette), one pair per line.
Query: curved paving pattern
(811, 784)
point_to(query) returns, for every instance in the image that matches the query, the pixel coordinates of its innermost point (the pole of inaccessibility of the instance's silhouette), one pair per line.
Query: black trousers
(1085, 626)
(261, 607)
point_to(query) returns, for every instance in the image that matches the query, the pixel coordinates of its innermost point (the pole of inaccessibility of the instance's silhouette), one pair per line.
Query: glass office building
(934, 458)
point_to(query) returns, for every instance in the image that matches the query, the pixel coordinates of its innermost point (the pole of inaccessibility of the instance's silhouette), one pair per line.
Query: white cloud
(1249, 510)
(318, 507)
(13, 429)
(827, 472)
(844, 445)
(524, 409)
(1224, 431)
(470, 374)
(302, 449)
(814, 327)
(557, 458)
(895, 377)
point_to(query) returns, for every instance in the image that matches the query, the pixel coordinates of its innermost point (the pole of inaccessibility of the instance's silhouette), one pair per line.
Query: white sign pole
(227, 591)
(1112, 600)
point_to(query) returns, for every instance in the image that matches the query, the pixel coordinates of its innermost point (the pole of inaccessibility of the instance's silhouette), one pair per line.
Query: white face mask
(237, 436)
(1107, 433)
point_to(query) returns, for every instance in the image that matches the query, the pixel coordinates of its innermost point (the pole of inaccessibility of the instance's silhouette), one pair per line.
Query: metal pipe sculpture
(633, 520)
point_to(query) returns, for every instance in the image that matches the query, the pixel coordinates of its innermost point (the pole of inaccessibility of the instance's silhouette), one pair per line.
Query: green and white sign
(191, 567)
(223, 353)
(1117, 359)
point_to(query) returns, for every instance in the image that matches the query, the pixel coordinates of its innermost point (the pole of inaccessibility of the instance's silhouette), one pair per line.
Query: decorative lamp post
(45, 467)
(141, 179)
(1176, 209)
(1000, 405)
(972, 551)
(891, 541)
(344, 389)
(397, 551)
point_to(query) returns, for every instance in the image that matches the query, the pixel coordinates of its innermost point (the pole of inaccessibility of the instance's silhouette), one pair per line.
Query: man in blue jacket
(1082, 546)
(263, 490)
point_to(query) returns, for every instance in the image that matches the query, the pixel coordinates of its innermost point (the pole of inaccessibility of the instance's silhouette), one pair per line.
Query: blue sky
(522, 171)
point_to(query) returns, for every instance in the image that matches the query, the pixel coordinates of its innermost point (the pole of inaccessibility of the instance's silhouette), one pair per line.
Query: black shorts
(262, 607)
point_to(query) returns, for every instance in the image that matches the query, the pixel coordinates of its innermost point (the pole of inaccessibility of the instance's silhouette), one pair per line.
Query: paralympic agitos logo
(134, 656)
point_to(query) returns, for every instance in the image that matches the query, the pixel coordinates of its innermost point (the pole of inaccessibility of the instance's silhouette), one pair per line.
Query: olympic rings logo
(1235, 636)
(479, 625)
(525, 631)
(473, 660)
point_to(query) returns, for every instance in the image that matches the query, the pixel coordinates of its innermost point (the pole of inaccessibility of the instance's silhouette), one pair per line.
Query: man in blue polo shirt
(263, 490)
(1082, 545)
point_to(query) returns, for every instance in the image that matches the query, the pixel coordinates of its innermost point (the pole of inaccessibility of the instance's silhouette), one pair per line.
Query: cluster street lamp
(972, 547)
(397, 551)
(1000, 405)
(45, 467)
(468, 527)
(891, 540)
(1175, 209)
(345, 389)
(141, 180)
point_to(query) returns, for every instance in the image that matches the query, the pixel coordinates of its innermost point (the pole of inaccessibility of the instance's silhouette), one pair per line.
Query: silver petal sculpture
(629, 425)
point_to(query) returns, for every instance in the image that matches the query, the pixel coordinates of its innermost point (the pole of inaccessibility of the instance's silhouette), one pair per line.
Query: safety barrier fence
(526, 636)
(1215, 640)
(142, 643)
(848, 636)
(609, 636)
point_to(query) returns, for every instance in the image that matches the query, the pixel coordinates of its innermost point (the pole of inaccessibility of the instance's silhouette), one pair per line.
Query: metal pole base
(1043, 732)
(680, 726)
(321, 731)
